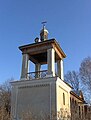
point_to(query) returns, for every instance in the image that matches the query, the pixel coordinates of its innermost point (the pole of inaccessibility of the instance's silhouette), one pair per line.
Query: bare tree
(85, 72)
(72, 77)
(30, 116)
(5, 100)
(85, 77)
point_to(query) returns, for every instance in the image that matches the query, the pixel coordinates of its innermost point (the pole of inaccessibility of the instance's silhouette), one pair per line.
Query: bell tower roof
(44, 33)
(38, 51)
(43, 30)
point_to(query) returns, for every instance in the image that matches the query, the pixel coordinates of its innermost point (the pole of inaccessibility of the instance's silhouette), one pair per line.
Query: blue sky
(68, 21)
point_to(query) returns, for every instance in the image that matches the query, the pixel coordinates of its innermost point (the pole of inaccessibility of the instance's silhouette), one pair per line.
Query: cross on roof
(44, 23)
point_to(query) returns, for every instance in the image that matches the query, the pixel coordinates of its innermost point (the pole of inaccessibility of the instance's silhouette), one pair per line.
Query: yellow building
(43, 94)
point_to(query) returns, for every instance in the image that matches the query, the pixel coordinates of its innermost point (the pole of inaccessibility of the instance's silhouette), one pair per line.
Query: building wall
(37, 97)
(34, 99)
(44, 98)
(77, 108)
(87, 112)
(63, 99)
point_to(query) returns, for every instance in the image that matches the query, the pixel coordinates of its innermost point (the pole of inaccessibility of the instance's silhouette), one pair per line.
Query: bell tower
(44, 33)
(44, 52)
(41, 91)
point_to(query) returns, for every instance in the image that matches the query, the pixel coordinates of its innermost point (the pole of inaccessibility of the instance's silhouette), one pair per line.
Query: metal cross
(44, 23)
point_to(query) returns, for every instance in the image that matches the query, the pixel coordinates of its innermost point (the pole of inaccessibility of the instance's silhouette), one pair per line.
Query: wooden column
(60, 69)
(51, 61)
(37, 69)
(25, 65)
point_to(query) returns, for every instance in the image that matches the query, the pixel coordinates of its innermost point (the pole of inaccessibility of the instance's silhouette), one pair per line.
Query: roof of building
(80, 96)
(38, 50)
(43, 42)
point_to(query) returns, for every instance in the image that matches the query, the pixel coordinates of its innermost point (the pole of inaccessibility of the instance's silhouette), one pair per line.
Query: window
(73, 103)
(63, 99)
(85, 110)
(79, 111)
(70, 103)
